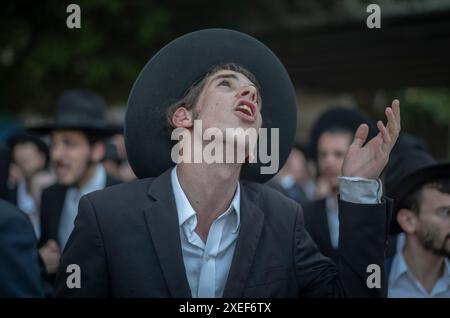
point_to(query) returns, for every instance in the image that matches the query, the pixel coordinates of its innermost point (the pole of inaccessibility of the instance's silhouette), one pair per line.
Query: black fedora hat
(343, 118)
(169, 74)
(406, 173)
(79, 110)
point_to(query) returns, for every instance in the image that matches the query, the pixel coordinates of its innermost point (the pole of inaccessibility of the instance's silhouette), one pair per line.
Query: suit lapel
(252, 220)
(162, 221)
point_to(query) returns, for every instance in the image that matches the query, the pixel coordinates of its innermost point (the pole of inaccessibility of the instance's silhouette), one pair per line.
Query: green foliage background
(39, 55)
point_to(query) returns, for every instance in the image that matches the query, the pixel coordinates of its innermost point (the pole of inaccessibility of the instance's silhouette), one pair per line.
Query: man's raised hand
(369, 161)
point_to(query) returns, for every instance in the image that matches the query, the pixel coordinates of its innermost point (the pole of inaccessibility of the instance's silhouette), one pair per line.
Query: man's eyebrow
(233, 76)
(219, 76)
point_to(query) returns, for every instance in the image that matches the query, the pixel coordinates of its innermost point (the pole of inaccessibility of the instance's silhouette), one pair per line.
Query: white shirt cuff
(360, 190)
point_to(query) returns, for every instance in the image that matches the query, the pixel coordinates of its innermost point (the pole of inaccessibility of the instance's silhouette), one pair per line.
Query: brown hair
(191, 97)
(412, 201)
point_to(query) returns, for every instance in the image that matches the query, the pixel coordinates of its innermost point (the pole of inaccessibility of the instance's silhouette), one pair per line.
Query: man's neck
(426, 266)
(210, 188)
(88, 175)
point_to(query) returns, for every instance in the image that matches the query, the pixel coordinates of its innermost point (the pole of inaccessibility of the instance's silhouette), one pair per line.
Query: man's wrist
(360, 190)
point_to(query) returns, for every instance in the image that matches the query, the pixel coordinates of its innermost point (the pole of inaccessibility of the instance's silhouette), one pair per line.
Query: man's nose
(330, 161)
(56, 152)
(249, 92)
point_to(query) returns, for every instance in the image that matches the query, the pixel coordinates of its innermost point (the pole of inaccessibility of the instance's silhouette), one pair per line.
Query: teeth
(246, 108)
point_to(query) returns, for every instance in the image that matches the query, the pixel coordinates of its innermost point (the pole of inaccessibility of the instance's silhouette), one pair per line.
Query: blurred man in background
(111, 161)
(331, 137)
(77, 149)
(125, 172)
(116, 161)
(29, 160)
(297, 176)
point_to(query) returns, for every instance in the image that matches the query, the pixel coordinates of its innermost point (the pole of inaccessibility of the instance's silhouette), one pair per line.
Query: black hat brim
(168, 75)
(410, 182)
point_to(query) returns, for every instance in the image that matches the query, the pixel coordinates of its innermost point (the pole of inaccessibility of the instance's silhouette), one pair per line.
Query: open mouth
(61, 168)
(246, 110)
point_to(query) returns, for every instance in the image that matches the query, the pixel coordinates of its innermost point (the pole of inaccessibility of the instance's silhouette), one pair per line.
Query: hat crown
(80, 107)
(80, 110)
(405, 164)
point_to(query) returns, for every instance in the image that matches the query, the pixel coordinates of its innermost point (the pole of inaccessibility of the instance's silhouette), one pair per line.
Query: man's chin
(68, 182)
(444, 250)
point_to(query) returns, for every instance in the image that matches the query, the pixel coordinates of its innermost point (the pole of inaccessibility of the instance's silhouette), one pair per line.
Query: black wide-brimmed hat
(79, 110)
(167, 77)
(340, 118)
(406, 173)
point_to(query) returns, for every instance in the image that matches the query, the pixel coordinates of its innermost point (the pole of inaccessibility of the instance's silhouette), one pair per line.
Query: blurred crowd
(44, 170)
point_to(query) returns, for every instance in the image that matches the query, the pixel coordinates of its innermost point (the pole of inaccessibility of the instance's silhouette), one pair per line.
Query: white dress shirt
(333, 221)
(27, 204)
(70, 207)
(207, 265)
(403, 284)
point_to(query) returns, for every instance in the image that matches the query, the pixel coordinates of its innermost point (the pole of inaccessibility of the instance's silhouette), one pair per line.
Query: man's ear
(407, 220)
(98, 151)
(182, 118)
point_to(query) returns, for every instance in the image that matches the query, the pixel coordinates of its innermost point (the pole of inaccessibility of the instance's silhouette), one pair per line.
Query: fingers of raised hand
(361, 135)
(384, 133)
(392, 128)
(393, 115)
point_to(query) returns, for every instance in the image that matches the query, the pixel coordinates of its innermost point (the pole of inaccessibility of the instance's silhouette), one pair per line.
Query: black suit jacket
(10, 195)
(316, 223)
(20, 271)
(126, 241)
(52, 202)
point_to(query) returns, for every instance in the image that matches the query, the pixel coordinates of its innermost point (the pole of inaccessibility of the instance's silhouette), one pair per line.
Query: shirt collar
(97, 182)
(399, 267)
(186, 211)
(447, 268)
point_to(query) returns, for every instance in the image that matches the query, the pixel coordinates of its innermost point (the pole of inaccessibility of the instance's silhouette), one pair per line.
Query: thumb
(361, 135)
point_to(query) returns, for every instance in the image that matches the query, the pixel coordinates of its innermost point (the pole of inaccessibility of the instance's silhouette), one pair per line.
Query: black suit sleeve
(362, 241)
(45, 217)
(317, 275)
(20, 274)
(84, 248)
(363, 238)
